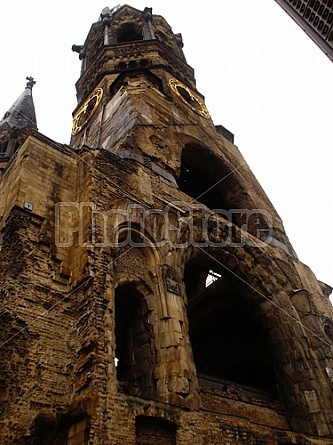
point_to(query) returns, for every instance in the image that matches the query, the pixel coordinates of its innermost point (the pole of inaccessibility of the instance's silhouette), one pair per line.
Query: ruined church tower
(148, 291)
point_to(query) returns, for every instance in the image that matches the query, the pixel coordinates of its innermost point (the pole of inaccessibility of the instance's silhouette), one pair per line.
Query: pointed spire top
(31, 82)
(22, 114)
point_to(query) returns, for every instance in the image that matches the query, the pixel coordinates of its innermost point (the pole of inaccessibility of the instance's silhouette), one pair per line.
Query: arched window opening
(229, 345)
(206, 178)
(121, 66)
(134, 349)
(129, 33)
(199, 186)
(154, 430)
(133, 64)
(203, 177)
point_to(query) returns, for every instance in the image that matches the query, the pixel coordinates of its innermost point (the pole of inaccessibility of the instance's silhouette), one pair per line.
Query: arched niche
(132, 236)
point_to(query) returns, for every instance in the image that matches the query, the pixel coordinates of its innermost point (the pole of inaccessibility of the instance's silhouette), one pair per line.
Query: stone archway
(266, 286)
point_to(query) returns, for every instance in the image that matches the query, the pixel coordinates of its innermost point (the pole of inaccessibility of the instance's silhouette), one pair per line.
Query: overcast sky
(262, 77)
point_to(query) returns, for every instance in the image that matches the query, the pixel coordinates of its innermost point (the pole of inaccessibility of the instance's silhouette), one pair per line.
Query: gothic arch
(138, 257)
(264, 288)
(133, 235)
(207, 178)
(139, 303)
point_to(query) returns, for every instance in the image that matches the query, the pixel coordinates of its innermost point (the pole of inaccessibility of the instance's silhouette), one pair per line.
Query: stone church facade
(149, 293)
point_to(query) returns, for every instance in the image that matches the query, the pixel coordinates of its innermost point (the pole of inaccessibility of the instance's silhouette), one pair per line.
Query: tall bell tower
(149, 292)
(133, 65)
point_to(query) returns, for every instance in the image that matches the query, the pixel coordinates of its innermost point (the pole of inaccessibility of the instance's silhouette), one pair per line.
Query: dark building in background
(315, 17)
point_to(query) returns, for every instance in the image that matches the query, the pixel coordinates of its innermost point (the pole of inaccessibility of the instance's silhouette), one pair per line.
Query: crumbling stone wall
(59, 376)
(97, 243)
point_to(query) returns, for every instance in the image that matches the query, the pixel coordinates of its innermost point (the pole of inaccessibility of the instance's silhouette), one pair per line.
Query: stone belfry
(149, 293)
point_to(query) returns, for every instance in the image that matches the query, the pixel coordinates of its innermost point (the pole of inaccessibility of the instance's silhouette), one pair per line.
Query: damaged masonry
(149, 292)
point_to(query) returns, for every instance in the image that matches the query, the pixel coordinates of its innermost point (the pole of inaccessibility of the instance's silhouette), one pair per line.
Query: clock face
(86, 110)
(188, 97)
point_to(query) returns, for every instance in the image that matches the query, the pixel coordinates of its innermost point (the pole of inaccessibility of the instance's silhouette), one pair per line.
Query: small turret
(17, 123)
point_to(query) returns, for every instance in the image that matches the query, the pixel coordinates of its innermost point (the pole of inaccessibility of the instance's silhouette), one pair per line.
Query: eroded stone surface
(109, 331)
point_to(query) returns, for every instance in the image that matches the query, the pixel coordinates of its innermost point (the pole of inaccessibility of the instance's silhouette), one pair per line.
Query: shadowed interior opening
(203, 177)
(129, 33)
(227, 339)
(134, 351)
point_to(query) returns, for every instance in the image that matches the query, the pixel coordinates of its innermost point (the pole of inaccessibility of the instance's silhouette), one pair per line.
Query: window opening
(199, 186)
(228, 345)
(212, 277)
(121, 66)
(134, 352)
(129, 33)
(133, 64)
(201, 176)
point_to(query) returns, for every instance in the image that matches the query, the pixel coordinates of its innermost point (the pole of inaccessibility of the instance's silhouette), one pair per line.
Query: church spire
(22, 114)
(17, 123)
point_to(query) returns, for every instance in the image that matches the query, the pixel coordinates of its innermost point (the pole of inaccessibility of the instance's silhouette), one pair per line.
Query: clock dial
(86, 110)
(188, 97)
